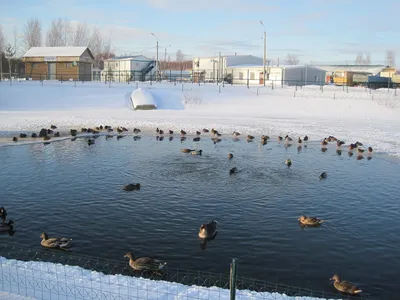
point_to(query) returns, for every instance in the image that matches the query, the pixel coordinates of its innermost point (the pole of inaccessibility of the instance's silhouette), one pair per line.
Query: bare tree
(33, 34)
(390, 58)
(9, 52)
(291, 59)
(367, 60)
(2, 43)
(96, 45)
(59, 34)
(81, 37)
(359, 59)
(180, 56)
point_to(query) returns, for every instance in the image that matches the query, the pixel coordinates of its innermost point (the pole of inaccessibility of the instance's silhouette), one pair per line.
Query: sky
(316, 31)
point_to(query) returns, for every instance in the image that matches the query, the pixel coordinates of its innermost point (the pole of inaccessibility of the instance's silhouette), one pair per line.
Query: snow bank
(143, 99)
(356, 114)
(45, 280)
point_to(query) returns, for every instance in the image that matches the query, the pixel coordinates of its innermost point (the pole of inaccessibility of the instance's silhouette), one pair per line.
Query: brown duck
(145, 263)
(186, 150)
(310, 221)
(344, 286)
(208, 230)
(132, 187)
(55, 242)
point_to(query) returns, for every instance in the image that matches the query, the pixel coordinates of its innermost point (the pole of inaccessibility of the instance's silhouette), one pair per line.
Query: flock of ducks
(207, 231)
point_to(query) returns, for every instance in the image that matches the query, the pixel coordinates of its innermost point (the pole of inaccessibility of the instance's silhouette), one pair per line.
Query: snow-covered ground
(45, 280)
(356, 114)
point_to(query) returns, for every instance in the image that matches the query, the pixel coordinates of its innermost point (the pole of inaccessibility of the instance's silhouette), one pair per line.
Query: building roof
(55, 51)
(131, 57)
(373, 69)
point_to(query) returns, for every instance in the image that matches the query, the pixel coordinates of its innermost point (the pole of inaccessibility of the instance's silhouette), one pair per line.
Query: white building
(214, 68)
(283, 75)
(128, 68)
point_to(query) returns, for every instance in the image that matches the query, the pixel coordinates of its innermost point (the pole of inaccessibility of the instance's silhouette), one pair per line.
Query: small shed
(59, 63)
(303, 75)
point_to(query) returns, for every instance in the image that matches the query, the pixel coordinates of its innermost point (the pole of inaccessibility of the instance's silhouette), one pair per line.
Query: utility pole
(157, 66)
(265, 52)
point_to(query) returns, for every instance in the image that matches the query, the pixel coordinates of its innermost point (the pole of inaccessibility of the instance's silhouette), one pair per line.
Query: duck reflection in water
(207, 233)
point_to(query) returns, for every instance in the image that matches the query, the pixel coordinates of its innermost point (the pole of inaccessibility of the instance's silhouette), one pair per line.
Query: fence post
(248, 71)
(232, 278)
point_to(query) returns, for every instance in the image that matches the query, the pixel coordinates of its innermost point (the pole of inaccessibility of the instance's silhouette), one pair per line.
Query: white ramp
(143, 99)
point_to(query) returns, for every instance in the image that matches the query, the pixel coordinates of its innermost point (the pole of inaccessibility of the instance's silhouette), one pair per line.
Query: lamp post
(213, 61)
(265, 51)
(157, 67)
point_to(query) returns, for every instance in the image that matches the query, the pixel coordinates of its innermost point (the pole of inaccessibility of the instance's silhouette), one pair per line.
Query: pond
(70, 188)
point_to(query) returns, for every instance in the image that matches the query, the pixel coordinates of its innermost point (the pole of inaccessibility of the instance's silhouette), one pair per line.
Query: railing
(89, 280)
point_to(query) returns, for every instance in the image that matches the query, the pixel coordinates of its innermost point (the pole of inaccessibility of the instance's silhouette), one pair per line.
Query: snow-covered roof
(131, 57)
(373, 69)
(54, 51)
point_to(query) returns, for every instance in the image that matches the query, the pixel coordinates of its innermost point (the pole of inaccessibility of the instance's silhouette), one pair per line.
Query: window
(34, 65)
(241, 75)
(252, 76)
(68, 65)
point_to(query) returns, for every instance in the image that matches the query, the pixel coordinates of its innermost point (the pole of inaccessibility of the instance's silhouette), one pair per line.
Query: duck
(197, 152)
(352, 146)
(23, 135)
(57, 134)
(49, 131)
(3, 214)
(323, 175)
(145, 263)
(186, 150)
(359, 144)
(15, 139)
(230, 155)
(218, 134)
(73, 132)
(34, 135)
(235, 133)
(288, 138)
(288, 162)
(305, 138)
(280, 138)
(299, 141)
(324, 142)
(265, 138)
(205, 130)
(213, 131)
(183, 132)
(55, 242)
(250, 137)
(171, 132)
(198, 132)
(132, 187)
(90, 142)
(136, 130)
(344, 286)
(208, 230)
(370, 149)
(119, 130)
(53, 127)
(359, 150)
(5, 227)
(310, 221)
(233, 171)
(339, 143)
(161, 131)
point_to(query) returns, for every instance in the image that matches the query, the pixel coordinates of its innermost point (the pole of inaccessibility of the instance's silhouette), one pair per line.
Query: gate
(51, 71)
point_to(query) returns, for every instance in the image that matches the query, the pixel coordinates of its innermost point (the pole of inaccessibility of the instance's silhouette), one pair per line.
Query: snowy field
(356, 114)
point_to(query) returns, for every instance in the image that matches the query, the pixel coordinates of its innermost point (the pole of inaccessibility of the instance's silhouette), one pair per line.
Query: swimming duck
(107, 127)
(49, 131)
(119, 130)
(311, 221)
(53, 127)
(250, 137)
(57, 134)
(23, 135)
(55, 242)
(4, 227)
(359, 150)
(280, 138)
(352, 146)
(34, 135)
(324, 142)
(299, 141)
(110, 130)
(101, 127)
(323, 175)
(132, 187)
(73, 132)
(170, 131)
(218, 134)
(186, 150)
(205, 130)
(90, 142)
(145, 263)
(370, 149)
(235, 133)
(213, 131)
(339, 143)
(233, 171)
(197, 152)
(124, 129)
(230, 155)
(3, 214)
(198, 132)
(136, 130)
(344, 286)
(161, 131)
(288, 138)
(208, 230)
(358, 143)
(15, 139)
(183, 132)
(305, 138)
(265, 137)
(288, 162)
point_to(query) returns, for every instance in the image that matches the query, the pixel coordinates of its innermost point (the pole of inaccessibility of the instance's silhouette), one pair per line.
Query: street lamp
(157, 67)
(265, 50)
